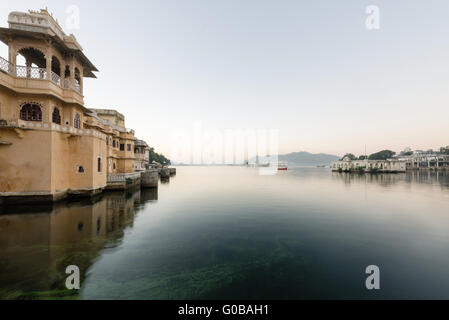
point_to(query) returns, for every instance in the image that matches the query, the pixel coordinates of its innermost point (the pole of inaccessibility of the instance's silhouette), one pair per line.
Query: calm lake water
(228, 232)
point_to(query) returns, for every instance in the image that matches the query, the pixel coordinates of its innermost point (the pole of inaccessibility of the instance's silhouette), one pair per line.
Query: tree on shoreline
(444, 150)
(350, 156)
(159, 158)
(382, 155)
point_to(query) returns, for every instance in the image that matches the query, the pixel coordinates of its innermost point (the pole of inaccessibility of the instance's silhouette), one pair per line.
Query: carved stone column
(81, 80)
(72, 71)
(12, 56)
(48, 57)
(28, 67)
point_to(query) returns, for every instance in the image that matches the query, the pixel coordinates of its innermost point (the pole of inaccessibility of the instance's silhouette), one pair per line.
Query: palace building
(142, 155)
(51, 145)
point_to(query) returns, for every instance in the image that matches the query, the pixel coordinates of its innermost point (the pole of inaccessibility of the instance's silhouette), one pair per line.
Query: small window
(113, 143)
(77, 121)
(56, 116)
(113, 165)
(99, 164)
(122, 147)
(128, 147)
(80, 169)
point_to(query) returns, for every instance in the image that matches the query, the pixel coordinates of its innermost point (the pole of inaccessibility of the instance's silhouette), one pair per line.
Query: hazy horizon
(310, 69)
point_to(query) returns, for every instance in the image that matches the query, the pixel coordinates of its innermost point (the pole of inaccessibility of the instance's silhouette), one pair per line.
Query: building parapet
(121, 177)
(42, 22)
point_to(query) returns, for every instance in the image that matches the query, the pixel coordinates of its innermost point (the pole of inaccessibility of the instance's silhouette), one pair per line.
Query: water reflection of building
(35, 248)
(428, 177)
(413, 176)
(381, 179)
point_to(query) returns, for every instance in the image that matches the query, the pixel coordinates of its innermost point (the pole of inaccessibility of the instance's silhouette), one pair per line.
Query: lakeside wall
(369, 166)
(143, 179)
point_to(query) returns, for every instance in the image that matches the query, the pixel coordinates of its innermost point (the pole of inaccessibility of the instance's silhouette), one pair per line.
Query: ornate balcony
(6, 66)
(34, 73)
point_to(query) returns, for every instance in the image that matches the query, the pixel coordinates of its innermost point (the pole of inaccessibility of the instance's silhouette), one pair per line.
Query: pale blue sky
(308, 68)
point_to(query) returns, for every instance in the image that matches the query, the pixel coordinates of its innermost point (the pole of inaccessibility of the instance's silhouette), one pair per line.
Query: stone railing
(6, 66)
(139, 156)
(56, 78)
(69, 85)
(31, 73)
(37, 74)
(121, 177)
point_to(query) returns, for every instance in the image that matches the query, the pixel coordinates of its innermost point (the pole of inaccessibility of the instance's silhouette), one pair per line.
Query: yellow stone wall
(44, 158)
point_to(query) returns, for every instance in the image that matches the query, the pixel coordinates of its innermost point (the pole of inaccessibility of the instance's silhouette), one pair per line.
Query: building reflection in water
(432, 177)
(37, 243)
(165, 180)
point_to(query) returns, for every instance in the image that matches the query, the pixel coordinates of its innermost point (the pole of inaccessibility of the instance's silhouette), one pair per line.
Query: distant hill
(303, 158)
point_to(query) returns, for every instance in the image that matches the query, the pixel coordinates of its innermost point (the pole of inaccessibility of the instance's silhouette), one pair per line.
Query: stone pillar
(71, 78)
(12, 54)
(149, 179)
(72, 70)
(164, 172)
(81, 80)
(48, 65)
(28, 65)
(12, 58)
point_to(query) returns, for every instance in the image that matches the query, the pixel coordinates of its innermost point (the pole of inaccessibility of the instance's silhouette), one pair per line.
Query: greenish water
(230, 233)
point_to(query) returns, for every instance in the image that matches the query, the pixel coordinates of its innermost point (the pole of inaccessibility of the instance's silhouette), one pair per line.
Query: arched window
(77, 121)
(56, 116)
(99, 164)
(31, 112)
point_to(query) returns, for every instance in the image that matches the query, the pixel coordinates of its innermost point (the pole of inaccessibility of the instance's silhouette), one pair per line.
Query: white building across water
(425, 160)
(385, 166)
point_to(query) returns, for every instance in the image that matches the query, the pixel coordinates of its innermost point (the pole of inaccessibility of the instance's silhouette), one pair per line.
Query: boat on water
(282, 166)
